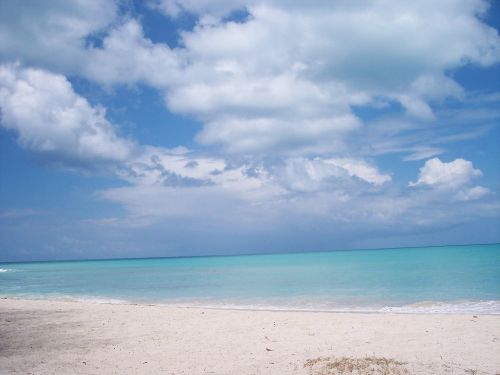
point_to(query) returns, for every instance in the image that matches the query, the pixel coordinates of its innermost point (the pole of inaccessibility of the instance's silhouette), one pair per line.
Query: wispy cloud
(16, 213)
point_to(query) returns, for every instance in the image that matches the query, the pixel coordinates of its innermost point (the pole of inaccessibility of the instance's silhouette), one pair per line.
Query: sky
(196, 127)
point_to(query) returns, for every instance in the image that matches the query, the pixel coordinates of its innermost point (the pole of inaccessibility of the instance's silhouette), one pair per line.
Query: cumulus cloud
(87, 38)
(51, 119)
(167, 184)
(289, 65)
(156, 166)
(285, 77)
(219, 8)
(301, 194)
(447, 175)
(126, 56)
(331, 174)
(163, 167)
(454, 176)
(52, 33)
(362, 170)
(279, 88)
(269, 135)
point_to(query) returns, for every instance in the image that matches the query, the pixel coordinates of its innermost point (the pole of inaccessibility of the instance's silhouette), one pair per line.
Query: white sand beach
(59, 337)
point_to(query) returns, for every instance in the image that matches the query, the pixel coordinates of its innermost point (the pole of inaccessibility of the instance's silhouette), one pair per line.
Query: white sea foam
(101, 300)
(66, 298)
(457, 307)
(90, 299)
(6, 270)
(424, 307)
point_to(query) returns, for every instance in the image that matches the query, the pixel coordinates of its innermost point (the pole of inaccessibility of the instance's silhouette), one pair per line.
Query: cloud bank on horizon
(309, 126)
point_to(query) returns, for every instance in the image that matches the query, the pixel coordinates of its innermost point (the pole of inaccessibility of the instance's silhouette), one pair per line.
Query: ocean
(448, 279)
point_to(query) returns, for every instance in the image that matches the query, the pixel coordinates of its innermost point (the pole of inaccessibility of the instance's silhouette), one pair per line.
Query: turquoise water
(427, 279)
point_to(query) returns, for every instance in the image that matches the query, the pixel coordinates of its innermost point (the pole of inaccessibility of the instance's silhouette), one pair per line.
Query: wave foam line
(437, 307)
(423, 307)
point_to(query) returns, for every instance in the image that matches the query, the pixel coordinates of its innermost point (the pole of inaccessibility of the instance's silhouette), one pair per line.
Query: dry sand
(54, 337)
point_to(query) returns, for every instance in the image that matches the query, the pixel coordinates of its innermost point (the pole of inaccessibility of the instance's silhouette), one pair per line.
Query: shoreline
(75, 337)
(419, 307)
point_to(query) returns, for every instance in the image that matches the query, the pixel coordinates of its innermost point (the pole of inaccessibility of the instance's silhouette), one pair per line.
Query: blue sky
(168, 127)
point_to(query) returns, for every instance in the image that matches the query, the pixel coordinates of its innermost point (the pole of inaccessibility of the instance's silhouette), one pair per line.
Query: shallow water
(450, 279)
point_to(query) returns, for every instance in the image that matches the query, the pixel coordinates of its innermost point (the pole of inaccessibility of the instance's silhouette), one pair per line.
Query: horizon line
(245, 254)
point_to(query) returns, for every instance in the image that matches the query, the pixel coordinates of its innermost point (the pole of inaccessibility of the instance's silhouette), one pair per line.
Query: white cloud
(316, 175)
(168, 185)
(302, 193)
(416, 106)
(423, 152)
(361, 169)
(52, 33)
(290, 69)
(128, 57)
(86, 38)
(305, 175)
(472, 193)
(317, 61)
(51, 119)
(219, 8)
(283, 83)
(453, 179)
(437, 87)
(446, 175)
(417, 140)
(270, 135)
